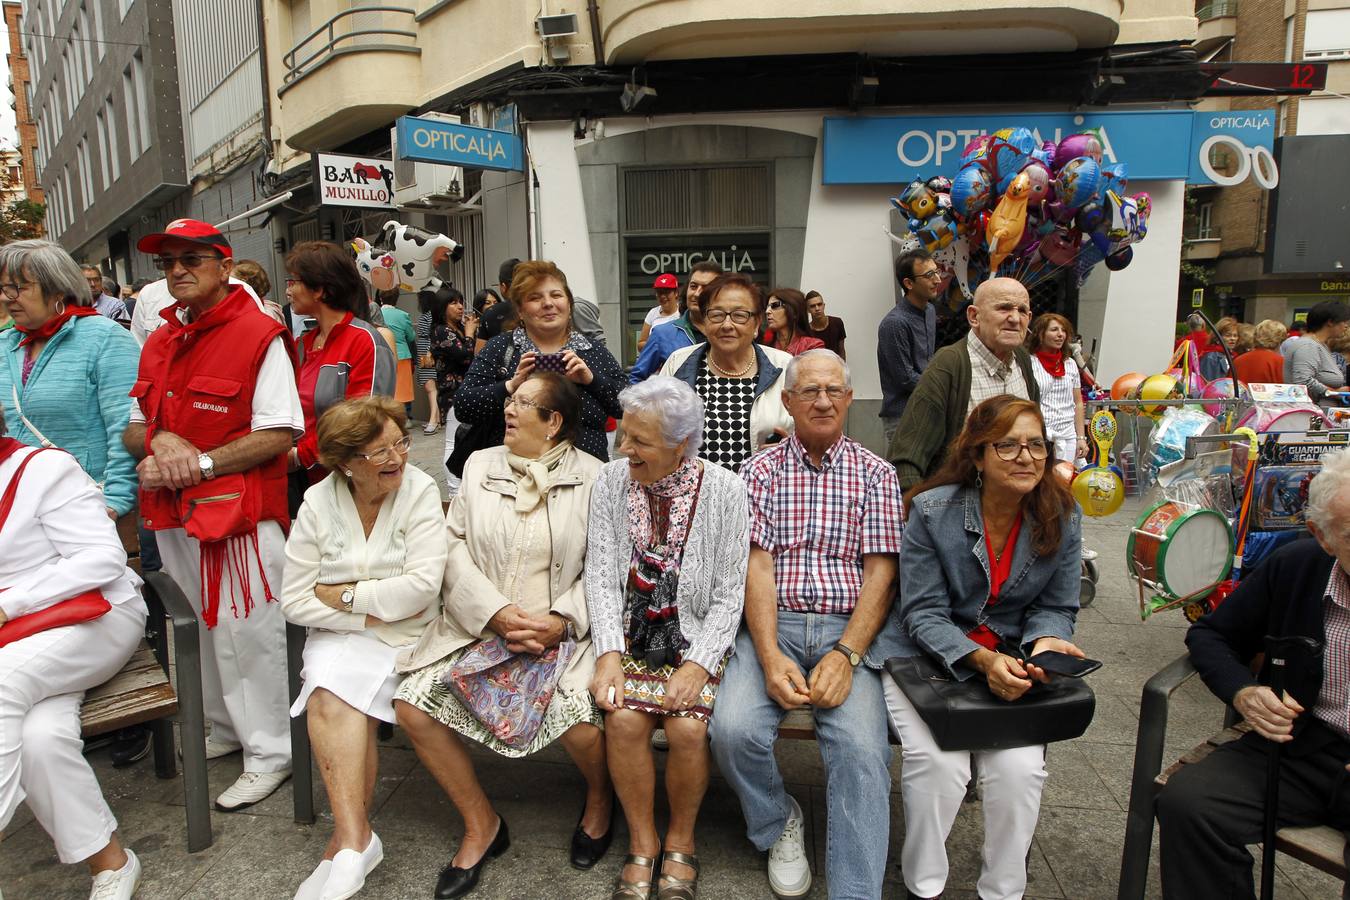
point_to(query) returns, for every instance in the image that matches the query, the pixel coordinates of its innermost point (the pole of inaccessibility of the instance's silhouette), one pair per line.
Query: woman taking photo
(344, 355)
(739, 381)
(1061, 388)
(67, 371)
(452, 343)
(545, 341)
(992, 566)
(58, 551)
(364, 564)
(665, 583)
(790, 323)
(514, 612)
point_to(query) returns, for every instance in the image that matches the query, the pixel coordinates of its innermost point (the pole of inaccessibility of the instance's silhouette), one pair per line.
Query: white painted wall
(561, 211)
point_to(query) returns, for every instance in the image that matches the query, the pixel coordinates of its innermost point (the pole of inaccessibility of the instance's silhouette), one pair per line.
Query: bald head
(1000, 315)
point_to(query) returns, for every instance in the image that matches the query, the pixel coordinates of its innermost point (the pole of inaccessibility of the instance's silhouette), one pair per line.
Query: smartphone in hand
(1058, 663)
(550, 362)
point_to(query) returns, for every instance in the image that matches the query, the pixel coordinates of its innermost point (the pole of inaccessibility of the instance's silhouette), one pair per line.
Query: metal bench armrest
(1148, 754)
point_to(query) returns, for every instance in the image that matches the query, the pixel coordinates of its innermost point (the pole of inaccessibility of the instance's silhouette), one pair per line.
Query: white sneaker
(350, 868)
(789, 871)
(118, 884)
(215, 749)
(250, 788)
(1089, 555)
(312, 887)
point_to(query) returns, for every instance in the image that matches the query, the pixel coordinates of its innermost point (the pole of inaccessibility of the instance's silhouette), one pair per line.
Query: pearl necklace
(712, 364)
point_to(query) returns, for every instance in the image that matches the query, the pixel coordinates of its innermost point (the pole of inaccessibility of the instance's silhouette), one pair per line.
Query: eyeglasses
(718, 316)
(775, 304)
(935, 275)
(812, 391)
(12, 290)
(386, 454)
(189, 261)
(524, 403)
(1010, 450)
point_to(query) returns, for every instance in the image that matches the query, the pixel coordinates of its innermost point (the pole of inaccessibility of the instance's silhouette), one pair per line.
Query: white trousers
(932, 786)
(244, 688)
(42, 682)
(451, 425)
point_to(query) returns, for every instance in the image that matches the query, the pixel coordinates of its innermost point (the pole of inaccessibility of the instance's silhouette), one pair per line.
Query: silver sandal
(635, 890)
(676, 888)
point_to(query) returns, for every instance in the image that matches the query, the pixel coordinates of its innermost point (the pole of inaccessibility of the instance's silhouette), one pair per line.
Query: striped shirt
(1057, 395)
(1333, 701)
(818, 522)
(990, 376)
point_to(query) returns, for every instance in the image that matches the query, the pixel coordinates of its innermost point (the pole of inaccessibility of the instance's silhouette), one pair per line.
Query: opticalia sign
(452, 144)
(1157, 144)
(354, 181)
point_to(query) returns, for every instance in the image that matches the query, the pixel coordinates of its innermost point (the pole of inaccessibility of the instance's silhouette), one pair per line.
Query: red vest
(197, 381)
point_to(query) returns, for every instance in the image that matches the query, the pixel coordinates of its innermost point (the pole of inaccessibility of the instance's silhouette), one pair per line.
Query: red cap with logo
(666, 282)
(187, 230)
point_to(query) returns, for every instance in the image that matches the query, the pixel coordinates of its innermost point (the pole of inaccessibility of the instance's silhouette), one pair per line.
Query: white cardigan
(58, 541)
(397, 570)
(711, 591)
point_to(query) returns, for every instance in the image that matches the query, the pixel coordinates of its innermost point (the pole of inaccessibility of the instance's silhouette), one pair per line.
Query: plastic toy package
(1281, 496)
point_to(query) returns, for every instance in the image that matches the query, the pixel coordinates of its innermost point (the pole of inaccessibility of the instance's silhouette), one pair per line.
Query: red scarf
(1000, 567)
(1052, 361)
(50, 327)
(7, 447)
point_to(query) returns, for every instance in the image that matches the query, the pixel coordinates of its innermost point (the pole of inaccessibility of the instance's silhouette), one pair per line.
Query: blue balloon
(1078, 182)
(972, 190)
(1115, 178)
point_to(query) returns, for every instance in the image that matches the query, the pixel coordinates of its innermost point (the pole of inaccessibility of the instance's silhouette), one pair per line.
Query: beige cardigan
(477, 561)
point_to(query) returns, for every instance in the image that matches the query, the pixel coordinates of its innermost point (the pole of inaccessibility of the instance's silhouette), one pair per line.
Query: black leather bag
(965, 715)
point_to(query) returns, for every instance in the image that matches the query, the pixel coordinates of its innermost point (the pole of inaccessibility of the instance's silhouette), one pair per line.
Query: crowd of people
(740, 557)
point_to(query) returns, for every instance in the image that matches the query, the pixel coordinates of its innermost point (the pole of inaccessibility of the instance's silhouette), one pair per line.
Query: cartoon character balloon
(375, 265)
(1008, 221)
(414, 252)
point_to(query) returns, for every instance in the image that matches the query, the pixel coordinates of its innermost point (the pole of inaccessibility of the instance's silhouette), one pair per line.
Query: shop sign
(453, 144)
(354, 181)
(1157, 144)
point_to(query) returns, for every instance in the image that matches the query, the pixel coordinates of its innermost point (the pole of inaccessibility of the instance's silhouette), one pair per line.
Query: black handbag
(965, 715)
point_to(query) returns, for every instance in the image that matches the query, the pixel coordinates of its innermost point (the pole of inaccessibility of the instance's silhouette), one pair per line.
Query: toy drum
(1180, 551)
(1265, 420)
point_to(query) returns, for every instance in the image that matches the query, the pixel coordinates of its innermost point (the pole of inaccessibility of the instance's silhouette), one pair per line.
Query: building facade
(21, 88)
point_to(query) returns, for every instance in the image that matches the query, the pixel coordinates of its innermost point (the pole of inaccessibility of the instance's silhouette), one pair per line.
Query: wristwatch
(207, 465)
(348, 598)
(852, 655)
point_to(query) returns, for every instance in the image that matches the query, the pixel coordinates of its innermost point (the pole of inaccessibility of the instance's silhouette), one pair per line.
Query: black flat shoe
(456, 882)
(586, 850)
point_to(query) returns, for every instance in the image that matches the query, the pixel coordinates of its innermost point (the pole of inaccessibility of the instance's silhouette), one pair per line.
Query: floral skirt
(644, 689)
(426, 690)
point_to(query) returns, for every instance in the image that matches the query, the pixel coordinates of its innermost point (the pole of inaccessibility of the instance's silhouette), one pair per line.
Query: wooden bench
(1320, 847)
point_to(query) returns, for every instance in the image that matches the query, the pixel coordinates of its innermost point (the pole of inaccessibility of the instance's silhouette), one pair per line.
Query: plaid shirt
(818, 523)
(1333, 701)
(990, 376)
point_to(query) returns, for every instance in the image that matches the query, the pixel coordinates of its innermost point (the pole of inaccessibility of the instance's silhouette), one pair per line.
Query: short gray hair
(676, 407)
(56, 274)
(790, 377)
(1334, 478)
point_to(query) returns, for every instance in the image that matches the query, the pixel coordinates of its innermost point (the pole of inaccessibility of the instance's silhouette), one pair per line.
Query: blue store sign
(446, 143)
(1158, 144)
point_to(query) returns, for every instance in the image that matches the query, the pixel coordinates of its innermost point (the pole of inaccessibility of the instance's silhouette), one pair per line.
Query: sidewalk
(263, 855)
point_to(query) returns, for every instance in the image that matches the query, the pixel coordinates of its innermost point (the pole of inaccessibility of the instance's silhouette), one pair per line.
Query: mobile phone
(550, 362)
(1063, 664)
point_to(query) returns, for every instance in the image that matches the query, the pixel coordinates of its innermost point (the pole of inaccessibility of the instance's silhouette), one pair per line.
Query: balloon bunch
(1026, 210)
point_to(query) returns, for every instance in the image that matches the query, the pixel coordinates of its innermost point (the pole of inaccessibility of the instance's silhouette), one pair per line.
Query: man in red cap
(667, 289)
(214, 414)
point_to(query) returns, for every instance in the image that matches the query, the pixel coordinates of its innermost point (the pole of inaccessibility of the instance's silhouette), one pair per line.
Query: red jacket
(197, 381)
(357, 346)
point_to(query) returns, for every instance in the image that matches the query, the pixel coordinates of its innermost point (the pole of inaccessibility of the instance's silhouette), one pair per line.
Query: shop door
(672, 218)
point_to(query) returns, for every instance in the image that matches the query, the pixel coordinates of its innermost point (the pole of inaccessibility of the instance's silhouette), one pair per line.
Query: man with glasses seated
(992, 360)
(214, 413)
(824, 540)
(907, 335)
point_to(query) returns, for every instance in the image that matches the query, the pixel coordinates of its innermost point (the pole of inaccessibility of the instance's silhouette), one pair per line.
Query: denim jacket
(944, 582)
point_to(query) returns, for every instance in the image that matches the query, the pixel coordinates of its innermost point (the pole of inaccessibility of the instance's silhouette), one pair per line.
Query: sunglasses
(775, 304)
(189, 261)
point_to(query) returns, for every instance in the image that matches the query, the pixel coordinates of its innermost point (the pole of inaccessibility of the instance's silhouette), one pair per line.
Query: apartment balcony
(1217, 24)
(1201, 244)
(638, 30)
(358, 70)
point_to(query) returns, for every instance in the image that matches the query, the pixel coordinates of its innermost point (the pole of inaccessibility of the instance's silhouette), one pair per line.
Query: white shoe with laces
(250, 788)
(312, 887)
(1089, 555)
(118, 884)
(789, 871)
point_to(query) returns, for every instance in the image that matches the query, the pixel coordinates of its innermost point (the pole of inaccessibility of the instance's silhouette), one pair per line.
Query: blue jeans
(853, 745)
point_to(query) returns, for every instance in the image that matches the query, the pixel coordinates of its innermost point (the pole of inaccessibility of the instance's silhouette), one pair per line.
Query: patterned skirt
(644, 689)
(426, 690)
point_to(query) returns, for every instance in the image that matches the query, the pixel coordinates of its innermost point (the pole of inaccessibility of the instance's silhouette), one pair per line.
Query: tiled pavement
(262, 854)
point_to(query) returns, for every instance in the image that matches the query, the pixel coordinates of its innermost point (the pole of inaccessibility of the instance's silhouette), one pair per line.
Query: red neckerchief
(48, 328)
(8, 446)
(1052, 361)
(1000, 567)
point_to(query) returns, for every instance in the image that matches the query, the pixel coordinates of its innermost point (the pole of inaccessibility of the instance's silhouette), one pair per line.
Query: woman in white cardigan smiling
(364, 565)
(665, 584)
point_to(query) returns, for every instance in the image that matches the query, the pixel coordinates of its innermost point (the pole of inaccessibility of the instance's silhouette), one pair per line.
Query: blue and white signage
(452, 144)
(1157, 144)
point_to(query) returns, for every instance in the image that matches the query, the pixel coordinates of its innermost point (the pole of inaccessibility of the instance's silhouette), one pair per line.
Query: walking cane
(1277, 649)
